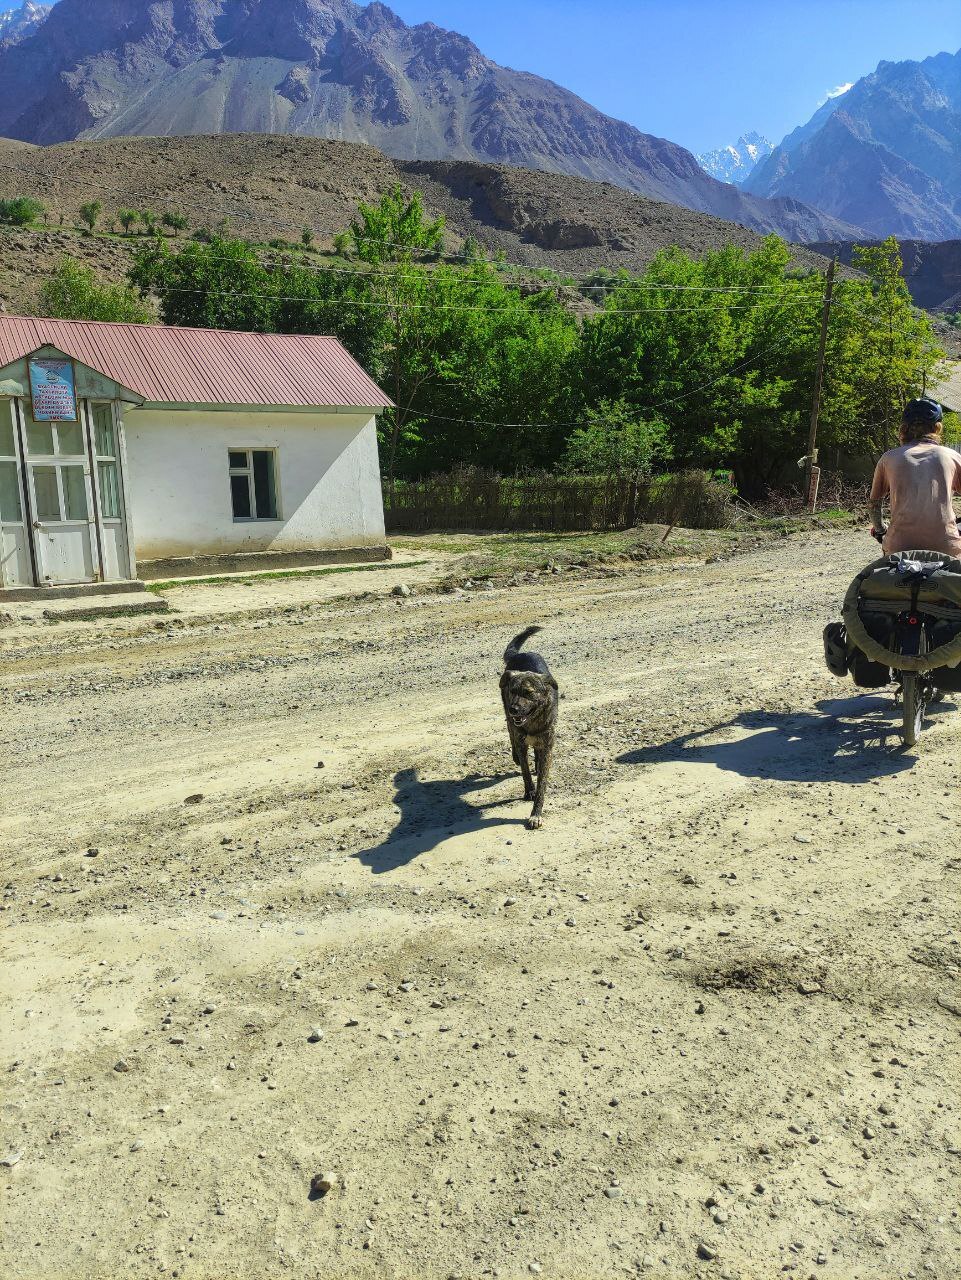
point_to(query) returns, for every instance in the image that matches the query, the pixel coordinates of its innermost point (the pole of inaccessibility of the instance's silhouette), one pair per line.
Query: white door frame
(19, 530)
(120, 458)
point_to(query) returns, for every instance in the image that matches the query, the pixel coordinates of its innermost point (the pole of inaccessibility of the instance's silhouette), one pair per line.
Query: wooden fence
(482, 500)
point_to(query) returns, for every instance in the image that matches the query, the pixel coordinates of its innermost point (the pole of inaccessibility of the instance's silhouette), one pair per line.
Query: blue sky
(700, 72)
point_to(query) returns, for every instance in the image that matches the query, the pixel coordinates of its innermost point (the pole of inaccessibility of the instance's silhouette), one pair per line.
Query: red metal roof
(203, 366)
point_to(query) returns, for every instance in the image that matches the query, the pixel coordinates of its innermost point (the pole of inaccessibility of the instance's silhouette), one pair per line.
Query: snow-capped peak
(733, 163)
(17, 24)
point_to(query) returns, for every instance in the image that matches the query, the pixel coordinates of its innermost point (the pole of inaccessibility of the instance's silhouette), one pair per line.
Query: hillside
(270, 187)
(932, 270)
(332, 68)
(886, 155)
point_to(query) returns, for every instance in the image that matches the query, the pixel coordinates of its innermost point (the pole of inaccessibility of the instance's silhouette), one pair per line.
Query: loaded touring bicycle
(901, 624)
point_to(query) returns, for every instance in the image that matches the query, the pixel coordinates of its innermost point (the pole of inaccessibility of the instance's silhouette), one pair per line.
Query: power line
(651, 408)
(434, 306)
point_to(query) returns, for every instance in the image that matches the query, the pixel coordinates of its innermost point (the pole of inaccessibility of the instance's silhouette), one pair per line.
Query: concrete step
(90, 609)
(78, 591)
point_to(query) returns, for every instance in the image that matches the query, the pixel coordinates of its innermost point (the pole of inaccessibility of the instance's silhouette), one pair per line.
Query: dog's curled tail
(519, 641)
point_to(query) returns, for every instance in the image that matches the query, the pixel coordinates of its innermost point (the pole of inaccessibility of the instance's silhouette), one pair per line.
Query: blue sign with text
(52, 391)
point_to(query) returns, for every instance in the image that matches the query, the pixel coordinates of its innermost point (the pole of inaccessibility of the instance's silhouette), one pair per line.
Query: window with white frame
(253, 484)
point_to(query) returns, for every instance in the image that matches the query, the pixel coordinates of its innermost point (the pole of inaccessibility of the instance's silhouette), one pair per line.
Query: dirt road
(704, 1023)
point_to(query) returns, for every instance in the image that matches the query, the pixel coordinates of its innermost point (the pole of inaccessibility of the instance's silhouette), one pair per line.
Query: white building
(139, 451)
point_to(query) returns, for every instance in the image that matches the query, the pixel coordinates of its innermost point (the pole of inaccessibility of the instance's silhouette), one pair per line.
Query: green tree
(448, 344)
(394, 230)
(615, 441)
(74, 292)
(126, 218)
(307, 237)
(175, 221)
(21, 211)
(90, 213)
(149, 220)
(892, 349)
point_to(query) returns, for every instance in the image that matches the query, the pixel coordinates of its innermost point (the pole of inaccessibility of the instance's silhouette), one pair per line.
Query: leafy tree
(75, 293)
(447, 343)
(126, 218)
(615, 441)
(21, 211)
(90, 213)
(307, 237)
(149, 220)
(892, 350)
(175, 221)
(392, 231)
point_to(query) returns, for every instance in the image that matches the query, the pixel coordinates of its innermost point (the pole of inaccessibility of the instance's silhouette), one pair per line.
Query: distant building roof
(948, 391)
(166, 365)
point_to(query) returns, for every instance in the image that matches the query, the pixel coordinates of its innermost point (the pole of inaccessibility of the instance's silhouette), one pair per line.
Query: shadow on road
(432, 812)
(845, 740)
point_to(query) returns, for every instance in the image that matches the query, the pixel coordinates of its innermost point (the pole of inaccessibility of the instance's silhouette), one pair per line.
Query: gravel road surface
(271, 912)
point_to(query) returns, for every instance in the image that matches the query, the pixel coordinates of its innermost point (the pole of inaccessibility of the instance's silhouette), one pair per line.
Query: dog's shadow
(432, 812)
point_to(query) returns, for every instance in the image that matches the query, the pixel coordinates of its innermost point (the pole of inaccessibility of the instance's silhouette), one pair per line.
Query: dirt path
(704, 1023)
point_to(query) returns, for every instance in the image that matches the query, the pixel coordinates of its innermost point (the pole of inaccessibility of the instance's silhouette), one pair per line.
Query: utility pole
(813, 470)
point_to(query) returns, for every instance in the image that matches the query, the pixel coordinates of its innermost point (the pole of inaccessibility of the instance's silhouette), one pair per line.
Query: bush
(21, 211)
(75, 293)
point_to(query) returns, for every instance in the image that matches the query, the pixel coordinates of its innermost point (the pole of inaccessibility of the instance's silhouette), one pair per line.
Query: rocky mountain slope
(932, 270)
(270, 187)
(886, 155)
(332, 68)
(735, 163)
(17, 24)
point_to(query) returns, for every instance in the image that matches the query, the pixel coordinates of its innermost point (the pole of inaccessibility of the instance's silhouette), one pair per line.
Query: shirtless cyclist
(918, 479)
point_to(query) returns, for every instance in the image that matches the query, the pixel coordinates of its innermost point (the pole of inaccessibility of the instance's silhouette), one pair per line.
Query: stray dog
(529, 692)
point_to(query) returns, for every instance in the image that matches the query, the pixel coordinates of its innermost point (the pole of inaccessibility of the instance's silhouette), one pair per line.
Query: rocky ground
(271, 912)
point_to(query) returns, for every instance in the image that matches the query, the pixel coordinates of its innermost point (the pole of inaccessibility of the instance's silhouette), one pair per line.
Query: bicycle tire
(912, 708)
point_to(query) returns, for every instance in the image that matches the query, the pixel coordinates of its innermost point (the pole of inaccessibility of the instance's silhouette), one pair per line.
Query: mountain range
(734, 163)
(885, 155)
(335, 69)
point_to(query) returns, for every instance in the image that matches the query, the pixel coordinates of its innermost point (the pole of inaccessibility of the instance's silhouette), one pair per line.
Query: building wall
(178, 481)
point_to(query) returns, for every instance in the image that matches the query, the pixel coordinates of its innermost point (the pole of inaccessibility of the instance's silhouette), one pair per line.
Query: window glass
(240, 494)
(45, 490)
(9, 492)
(7, 449)
(264, 489)
(39, 437)
(238, 458)
(103, 431)
(69, 438)
(109, 490)
(75, 492)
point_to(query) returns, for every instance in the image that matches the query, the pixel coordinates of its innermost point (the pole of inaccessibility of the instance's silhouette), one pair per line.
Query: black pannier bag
(836, 648)
(948, 678)
(868, 674)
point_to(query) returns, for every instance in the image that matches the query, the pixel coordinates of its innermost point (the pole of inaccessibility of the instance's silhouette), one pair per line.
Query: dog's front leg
(525, 765)
(543, 758)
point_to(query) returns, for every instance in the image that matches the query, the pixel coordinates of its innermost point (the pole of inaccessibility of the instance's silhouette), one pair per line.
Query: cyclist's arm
(879, 491)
